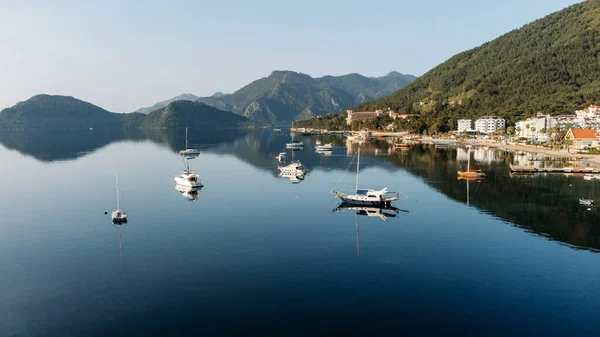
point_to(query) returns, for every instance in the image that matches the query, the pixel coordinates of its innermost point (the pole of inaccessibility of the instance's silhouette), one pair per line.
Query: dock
(568, 169)
(553, 158)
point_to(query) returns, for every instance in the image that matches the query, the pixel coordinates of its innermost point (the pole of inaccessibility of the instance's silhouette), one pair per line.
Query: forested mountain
(65, 112)
(47, 111)
(156, 106)
(286, 96)
(551, 65)
(194, 115)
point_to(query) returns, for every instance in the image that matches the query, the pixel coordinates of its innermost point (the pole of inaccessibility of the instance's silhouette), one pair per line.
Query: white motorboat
(326, 147)
(295, 145)
(281, 157)
(586, 202)
(295, 167)
(367, 196)
(189, 152)
(189, 178)
(118, 216)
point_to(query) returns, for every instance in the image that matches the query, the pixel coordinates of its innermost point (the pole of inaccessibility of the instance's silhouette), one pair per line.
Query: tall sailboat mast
(117, 175)
(186, 138)
(357, 167)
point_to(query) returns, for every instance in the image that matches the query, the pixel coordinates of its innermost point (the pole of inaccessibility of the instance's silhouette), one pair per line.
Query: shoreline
(590, 158)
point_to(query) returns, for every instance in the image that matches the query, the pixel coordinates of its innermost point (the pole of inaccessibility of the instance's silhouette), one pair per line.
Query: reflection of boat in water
(189, 153)
(384, 212)
(470, 180)
(189, 178)
(118, 216)
(469, 173)
(366, 196)
(294, 177)
(324, 152)
(190, 193)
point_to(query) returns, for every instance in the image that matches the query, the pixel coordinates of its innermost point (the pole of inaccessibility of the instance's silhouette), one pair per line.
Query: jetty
(553, 158)
(568, 169)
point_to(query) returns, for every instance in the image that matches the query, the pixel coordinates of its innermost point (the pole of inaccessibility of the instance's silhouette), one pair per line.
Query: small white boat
(588, 177)
(189, 153)
(118, 216)
(281, 157)
(295, 167)
(586, 202)
(189, 178)
(295, 145)
(367, 196)
(326, 147)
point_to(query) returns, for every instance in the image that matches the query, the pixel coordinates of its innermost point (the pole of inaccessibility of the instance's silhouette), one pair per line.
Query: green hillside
(551, 65)
(194, 115)
(286, 96)
(65, 112)
(48, 111)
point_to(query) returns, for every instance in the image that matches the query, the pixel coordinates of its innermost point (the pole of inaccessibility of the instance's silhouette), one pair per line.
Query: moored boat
(118, 216)
(367, 196)
(470, 173)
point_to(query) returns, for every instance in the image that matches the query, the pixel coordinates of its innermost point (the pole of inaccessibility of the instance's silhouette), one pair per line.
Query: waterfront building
(489, 124)
(583, 139)
(464, 125)
(535, 128)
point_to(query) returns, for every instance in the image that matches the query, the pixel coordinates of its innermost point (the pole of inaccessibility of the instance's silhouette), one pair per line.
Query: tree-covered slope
(53, 111)
(551, 65)
(286, 96)
(158, 105)
(64, 112)
(194, 115)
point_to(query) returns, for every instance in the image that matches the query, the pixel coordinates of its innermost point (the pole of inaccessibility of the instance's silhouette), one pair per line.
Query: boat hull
(186, 183)
(471, 175)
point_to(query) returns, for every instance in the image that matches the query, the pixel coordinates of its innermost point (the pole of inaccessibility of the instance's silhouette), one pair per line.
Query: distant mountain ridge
(66, 112)
(285, 96)
(158, 105)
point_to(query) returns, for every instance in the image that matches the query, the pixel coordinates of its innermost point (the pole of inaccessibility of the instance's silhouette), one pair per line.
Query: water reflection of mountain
(545, 205)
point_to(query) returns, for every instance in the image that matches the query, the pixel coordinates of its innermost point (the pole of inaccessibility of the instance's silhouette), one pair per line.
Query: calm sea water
(255, 254)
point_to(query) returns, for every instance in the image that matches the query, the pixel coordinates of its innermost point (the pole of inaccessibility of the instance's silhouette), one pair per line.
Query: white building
(489, 124)
(464, 125)
(535, 128)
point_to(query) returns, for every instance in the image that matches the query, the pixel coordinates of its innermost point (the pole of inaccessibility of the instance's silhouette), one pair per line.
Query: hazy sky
(122, 55)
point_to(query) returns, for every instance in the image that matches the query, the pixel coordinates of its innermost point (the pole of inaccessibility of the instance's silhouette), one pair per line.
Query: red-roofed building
(583, 139)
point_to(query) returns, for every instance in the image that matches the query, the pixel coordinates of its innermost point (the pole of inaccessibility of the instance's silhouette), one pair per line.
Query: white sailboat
(118, 216)
(367, 196)
(189, 178)
(189, 153)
